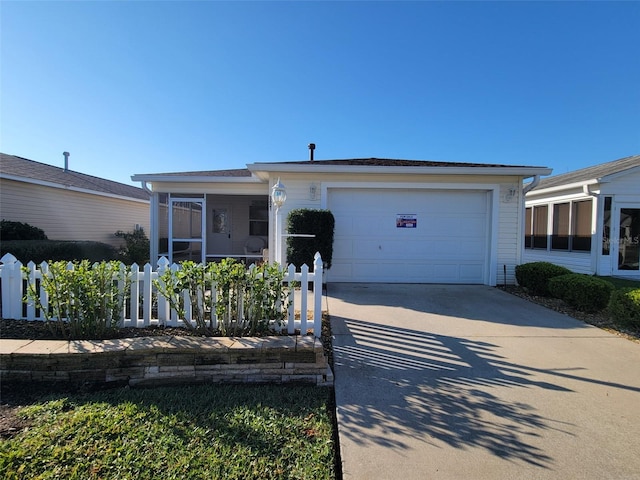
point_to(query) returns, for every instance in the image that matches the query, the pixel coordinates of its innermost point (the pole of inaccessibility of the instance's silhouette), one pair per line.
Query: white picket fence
(14, 283)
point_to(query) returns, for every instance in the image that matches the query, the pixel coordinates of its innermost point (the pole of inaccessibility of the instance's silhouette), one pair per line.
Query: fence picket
(44, 296)
(291, 312)
(134, 299)
(31, 284)
(304, 292)
(143, 296)
(147, 294)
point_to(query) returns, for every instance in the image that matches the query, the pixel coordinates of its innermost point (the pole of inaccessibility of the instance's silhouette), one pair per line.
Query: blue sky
(160, 86)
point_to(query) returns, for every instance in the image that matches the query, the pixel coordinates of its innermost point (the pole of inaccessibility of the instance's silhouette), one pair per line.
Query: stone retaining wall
(162, 360)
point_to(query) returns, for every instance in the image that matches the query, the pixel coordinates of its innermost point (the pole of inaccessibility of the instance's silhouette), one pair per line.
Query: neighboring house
(69, 205)
(587, 220)
(396, 220)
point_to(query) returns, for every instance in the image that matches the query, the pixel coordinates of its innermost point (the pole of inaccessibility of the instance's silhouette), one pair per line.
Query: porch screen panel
(540, 215)
(186, 231)
(560, 234)
(606, 227)
(582, 214)
(528, 232)
(186, 220)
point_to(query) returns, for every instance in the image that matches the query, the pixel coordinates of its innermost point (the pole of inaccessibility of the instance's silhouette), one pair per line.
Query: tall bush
(83, 300)
(135, 248)
(301, 250)
(246, 300)
(10, 230)
(535, 276)
(582, 292)
(624, 307)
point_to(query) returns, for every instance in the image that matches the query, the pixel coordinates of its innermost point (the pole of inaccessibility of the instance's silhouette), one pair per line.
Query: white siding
(68, 215)
(578, 262)
(626, 187)
(509, 233)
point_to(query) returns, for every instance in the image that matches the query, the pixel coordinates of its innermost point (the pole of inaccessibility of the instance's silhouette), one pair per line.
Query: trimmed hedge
(582, 292)
(300, 251)
(10, 230)
(624, 307)
(535, 276)
(40, 251)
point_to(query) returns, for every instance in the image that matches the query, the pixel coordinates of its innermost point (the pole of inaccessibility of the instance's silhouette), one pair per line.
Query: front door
(219, 235)
(627, 247)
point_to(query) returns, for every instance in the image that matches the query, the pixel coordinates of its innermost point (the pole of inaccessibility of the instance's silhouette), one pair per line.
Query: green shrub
(300, 250)
(54, 250)
(535, 276)
(20, 231)
(84, 301)
(624, 307)
(582, 292)
(246, 302)
(136, 246)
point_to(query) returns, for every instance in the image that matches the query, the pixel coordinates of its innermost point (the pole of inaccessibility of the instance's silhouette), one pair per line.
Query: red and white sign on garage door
(445, 238)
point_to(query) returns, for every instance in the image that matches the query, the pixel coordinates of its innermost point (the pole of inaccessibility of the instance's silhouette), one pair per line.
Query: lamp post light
(278, 197)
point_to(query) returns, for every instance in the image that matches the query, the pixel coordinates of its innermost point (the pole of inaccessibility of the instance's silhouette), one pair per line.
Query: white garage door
(412, 236)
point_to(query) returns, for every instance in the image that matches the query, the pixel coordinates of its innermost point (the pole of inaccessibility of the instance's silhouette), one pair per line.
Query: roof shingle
(590, 173)
(23, 167)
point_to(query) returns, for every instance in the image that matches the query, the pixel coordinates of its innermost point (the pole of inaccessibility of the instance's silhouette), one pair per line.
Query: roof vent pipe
(312, 147)
(66, 161)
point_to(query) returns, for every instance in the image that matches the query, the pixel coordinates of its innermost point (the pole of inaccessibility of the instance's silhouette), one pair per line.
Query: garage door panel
(470, 272)
(449, 243)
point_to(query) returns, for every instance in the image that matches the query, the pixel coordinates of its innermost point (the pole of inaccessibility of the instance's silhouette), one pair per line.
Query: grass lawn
(203, 432)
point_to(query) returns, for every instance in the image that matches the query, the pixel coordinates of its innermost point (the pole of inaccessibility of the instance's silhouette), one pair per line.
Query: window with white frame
(569, 226)
(536, 227)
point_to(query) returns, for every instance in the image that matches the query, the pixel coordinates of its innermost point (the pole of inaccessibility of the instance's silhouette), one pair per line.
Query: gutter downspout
(532, 185)
(585, 189)
(145, 187)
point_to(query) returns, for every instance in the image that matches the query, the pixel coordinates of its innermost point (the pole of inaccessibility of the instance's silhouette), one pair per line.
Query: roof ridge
(53, 174)
(595, 167)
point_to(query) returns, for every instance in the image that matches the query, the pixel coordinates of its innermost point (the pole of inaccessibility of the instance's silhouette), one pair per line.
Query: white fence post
(317, 294)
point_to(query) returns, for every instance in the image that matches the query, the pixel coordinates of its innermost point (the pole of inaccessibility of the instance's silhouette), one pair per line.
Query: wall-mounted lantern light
(278, 194)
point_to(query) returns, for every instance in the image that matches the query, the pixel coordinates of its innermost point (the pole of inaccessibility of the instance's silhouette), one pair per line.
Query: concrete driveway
(469, 382)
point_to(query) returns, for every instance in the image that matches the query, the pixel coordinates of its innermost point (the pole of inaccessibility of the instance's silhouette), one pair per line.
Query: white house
(587, 220)
(396, 220)
(69, 205)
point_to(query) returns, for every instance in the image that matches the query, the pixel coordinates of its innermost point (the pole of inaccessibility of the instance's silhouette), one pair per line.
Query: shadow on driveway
(456, 381)
(426, 387)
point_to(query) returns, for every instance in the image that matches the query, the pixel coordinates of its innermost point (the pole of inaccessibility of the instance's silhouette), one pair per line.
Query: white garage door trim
(490, 268)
